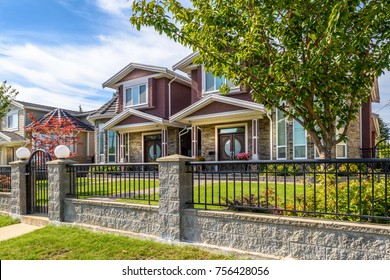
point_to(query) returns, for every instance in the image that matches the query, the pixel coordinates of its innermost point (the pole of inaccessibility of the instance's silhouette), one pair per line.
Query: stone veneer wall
(141, 219)
(173, 141)
(135, 144)
(287, 237)
(5, 202)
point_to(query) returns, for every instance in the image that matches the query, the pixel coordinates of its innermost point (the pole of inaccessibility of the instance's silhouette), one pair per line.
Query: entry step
(35, 220)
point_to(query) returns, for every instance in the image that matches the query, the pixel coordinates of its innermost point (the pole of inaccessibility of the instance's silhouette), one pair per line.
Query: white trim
(234, 89)
(248, 105)
(300, 145)
(12, 114)
(277, 136)
(185, 62)
(131, 86)
(112, 82)
(232, 125)
(255, 139)
(346, 149)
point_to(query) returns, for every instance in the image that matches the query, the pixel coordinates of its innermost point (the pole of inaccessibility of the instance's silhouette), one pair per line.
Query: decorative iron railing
(131, 182)
(351, 189)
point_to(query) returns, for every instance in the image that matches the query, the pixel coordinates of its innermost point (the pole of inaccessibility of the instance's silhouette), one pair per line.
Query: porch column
(122, 148)
(164, 142)
(255, 139)
(194, 141)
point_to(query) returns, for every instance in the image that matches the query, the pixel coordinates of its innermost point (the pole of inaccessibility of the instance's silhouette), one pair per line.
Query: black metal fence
(119, 181)
(5, 178)
(352, 189)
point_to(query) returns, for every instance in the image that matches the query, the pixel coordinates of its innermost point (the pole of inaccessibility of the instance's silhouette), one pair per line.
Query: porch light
(61, 152)
(23, 153)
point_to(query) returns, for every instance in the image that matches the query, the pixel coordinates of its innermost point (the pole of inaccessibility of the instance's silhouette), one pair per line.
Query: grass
(6, 221)
(68, 243)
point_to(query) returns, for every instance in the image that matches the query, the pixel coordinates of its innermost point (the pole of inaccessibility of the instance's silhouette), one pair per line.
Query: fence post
(58, 187)
(18, 188)
(175, 192)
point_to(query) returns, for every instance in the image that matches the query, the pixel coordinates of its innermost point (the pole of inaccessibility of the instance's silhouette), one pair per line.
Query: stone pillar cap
(175, 157)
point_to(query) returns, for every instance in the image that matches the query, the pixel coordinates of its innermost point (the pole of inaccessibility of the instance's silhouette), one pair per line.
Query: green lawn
(66, 243)
(7, 220)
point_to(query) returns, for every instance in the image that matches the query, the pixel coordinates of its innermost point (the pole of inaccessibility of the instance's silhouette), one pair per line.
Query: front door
(152, 147)
(231, 142)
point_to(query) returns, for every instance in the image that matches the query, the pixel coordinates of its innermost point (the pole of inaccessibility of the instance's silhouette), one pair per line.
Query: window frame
(131, 86)
(12, 114)
(277, 135)
(233, 89)
(299, 145)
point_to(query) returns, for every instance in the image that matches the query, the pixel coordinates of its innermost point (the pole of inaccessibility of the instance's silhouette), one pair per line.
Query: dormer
(145, 87)
(203, 82)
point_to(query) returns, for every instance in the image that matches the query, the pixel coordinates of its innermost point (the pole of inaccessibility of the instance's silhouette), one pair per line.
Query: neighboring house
(12, 126)
(80, 130)
(223, 126)
(134, 125)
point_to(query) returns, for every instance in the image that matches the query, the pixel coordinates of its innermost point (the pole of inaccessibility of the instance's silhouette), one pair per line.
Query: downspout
(169, 96)
(270, 135)
(181, 133)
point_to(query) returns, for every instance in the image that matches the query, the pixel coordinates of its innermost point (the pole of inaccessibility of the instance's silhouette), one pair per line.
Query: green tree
(384, 129)
(316, 60)
(7, 94)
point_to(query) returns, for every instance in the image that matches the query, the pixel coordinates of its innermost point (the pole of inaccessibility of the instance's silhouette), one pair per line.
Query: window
(213, 83)
(341, 148)
(111, 146)
(12, 120)
(299, 136)
(135, 95)
(281, 135)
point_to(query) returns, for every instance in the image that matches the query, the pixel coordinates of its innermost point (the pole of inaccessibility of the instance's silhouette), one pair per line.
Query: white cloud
(113, 7)
(73, 74)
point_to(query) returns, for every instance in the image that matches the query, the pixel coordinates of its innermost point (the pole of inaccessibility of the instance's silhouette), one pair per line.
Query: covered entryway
(152, 147)
(37, 185)
(231, 142)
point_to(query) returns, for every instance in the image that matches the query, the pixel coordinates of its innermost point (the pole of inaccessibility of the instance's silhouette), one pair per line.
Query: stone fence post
(175, 192)
(58, 186)
(18, 189)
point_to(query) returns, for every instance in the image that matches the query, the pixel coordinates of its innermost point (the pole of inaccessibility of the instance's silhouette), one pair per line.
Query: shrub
(5, 183)
(263, 204)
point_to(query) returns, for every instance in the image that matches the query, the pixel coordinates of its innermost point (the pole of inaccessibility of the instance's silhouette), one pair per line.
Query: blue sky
(59, 52)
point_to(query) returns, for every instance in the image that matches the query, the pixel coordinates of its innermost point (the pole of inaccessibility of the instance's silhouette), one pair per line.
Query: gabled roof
(112, 82)
(183, 64)
(43, 108)
(128, 112)
(7, 136)
(217, 98)
(107, 111)
(62, 114)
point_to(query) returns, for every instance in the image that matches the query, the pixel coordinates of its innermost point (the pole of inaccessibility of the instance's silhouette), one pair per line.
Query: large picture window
(299, 140)
(135, 95)
(111, 146)
(281, 137)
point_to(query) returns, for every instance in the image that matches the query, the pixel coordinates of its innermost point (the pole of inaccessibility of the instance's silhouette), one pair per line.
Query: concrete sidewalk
(15, 230)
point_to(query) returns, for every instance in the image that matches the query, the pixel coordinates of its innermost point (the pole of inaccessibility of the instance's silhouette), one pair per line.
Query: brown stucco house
(13, 134)
(222, 126)
(134, 125)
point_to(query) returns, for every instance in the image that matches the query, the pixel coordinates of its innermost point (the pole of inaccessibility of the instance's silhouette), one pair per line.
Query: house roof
(7, 136)
(147, 117)
(163, 71)
(107, 110)
(60, 113)
(39, 107)
(217, 98)
(184, 64)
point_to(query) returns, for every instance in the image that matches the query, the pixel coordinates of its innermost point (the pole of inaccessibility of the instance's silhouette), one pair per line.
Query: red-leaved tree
(52, 131)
